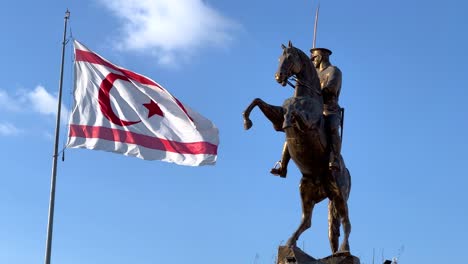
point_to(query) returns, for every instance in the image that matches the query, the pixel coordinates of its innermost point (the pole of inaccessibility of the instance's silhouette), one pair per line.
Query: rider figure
(330, 82)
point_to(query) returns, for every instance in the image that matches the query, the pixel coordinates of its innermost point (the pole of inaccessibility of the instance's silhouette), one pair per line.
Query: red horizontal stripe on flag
(150, 142)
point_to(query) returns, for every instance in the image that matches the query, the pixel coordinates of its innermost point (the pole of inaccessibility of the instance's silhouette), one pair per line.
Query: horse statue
(301, 119)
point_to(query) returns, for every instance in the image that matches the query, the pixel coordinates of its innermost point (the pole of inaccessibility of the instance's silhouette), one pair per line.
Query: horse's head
(289, 64)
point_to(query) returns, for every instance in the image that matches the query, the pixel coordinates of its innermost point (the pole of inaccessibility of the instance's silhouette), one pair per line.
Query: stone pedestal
(295, 255)
(345, 258)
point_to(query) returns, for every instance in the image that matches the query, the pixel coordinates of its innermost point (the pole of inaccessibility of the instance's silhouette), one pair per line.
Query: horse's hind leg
(308, 204)
(272, 112)
(341, 206)
(333, 226)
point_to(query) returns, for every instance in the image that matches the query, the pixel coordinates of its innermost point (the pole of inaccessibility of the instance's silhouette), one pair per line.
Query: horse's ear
(290, 44)
(283, 46)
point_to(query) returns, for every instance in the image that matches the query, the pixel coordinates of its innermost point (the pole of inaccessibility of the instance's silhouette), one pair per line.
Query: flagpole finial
(67, 14)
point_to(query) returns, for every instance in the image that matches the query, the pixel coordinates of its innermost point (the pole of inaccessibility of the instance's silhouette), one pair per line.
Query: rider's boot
(279, 170)
(334, 161)
(281, 167)
(334, 164)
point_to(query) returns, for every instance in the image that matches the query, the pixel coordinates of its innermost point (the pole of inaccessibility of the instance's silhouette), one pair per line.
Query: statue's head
(319, 55)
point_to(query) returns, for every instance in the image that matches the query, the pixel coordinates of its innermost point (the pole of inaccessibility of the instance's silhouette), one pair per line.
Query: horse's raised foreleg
(308, 203)
(272, 112)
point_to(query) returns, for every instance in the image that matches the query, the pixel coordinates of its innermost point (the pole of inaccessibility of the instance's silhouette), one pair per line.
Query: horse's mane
(304, 58)
(307, 75)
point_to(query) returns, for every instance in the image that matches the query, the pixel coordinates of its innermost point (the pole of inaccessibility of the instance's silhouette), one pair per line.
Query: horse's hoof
(247, 124)
(344, 248)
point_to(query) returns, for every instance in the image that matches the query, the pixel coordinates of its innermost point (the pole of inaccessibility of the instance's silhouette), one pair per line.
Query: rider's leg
(333, 126)
(282, 170)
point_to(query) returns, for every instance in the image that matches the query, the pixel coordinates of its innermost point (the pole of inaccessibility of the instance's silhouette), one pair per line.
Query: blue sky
(404, 90)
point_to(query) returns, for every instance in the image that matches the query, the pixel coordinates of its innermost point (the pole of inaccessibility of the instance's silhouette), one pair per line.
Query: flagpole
(50, 223)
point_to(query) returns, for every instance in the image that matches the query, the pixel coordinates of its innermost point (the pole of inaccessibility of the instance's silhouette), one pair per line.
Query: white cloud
(45, 103)
(42, 101)
(7, 102)
(170, 29)
(28, 102)
(38, 100)
(7, 129)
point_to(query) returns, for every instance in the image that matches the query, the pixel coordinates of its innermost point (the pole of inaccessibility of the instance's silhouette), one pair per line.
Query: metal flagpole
(50, 223)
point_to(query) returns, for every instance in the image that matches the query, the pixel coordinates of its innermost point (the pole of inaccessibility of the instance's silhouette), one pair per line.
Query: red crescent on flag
(91, 57)
(105, 103)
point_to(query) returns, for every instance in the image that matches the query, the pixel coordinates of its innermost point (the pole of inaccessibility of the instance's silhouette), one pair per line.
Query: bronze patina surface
(311, 120)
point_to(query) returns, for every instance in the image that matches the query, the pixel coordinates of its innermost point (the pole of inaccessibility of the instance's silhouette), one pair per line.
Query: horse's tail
(349, 188)
(348, 176)
(344, 181)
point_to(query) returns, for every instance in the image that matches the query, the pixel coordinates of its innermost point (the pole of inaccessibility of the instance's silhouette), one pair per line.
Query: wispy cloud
(39, 100)
(7, 129)
(44, 103)
(8, 103)
(170, 29)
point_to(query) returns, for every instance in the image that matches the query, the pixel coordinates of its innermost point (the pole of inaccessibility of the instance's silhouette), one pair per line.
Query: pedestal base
(294, 255)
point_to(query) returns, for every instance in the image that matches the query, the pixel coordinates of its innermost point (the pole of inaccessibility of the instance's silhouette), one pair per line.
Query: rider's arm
(333, 81)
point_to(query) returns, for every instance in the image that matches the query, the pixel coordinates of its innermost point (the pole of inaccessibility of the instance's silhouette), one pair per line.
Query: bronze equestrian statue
(301, 118)
(330, 83)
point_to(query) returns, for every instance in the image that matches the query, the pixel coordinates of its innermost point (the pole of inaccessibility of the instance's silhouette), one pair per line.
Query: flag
(121, 111)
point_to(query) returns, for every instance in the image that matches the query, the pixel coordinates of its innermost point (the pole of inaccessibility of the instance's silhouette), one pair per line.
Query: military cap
(321, 51)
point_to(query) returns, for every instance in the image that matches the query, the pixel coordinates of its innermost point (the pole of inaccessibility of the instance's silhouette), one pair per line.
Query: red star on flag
(153, 109)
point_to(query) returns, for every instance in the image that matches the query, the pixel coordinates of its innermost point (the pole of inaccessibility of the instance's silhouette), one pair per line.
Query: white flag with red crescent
(125, 112)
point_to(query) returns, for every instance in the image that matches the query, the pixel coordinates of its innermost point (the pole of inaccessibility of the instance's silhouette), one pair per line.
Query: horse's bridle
(301, 82)
(290, 63)
(306, 84)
